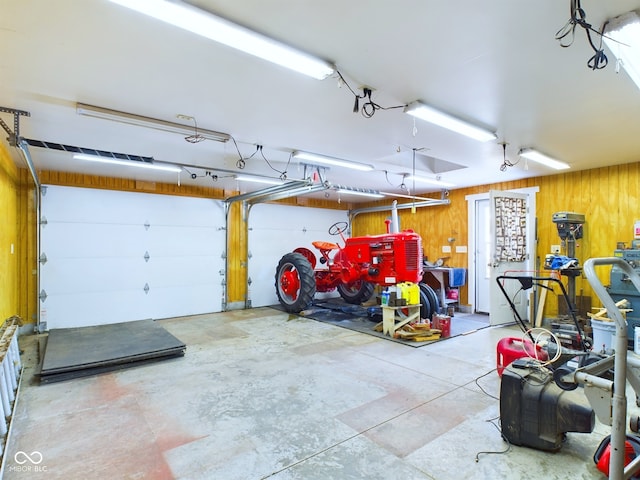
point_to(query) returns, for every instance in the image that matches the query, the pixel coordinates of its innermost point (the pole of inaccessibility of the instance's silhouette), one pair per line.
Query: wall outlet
(555, 249)
(446, 249)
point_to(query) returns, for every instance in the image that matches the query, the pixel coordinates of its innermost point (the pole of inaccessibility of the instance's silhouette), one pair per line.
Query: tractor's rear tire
(295, 282)
(356, 292)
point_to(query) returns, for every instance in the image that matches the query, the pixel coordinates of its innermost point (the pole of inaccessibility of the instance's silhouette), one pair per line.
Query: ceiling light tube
(148, 122)
(265, 180)
(431, 181)
(128, 163)
(622, 36)
(535, 156)
(337, 162)
(444, 120)
(214, 28)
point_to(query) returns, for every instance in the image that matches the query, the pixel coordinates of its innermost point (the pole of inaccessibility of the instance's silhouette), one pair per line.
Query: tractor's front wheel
(356, 292)
(295, 282)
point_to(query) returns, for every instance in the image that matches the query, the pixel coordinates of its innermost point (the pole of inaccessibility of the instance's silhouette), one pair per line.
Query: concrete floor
(263, 394)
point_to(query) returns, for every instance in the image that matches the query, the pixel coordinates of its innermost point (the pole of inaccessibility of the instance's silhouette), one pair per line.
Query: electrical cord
(402, 185)
(369, 108)
(283, 174)
(482, 389)
(498, 452)
(566, 35)
(506, 163)
(207, 173)
(537, 341)
(241, 162)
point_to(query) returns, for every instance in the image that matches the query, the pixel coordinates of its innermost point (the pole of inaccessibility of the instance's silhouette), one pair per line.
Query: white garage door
(275, 230)
(111, 256)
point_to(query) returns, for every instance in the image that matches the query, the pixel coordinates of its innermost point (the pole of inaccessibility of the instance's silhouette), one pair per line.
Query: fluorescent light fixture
(148, 122)
(622, 36)
(360, 192)
(322, 159)
(431, 181)
(203, 23)
(444, 120)
(128, 163)
(535, 156)
(266, 180)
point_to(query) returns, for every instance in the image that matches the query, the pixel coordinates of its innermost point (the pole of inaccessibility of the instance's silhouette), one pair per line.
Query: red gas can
(442, 323)
(512, 348)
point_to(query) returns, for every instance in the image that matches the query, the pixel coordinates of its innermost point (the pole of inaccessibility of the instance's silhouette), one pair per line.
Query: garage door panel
(170, 210)
(82, 275)
(93, 240)
(112, 207)
(179, 301)
(60, 204)
(183, 271)
(187, 241)
(280, 242)
(95, 243)
(279, 229)
(94, 308)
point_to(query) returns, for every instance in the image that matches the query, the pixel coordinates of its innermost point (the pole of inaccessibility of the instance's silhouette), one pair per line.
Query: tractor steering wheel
(338, 228)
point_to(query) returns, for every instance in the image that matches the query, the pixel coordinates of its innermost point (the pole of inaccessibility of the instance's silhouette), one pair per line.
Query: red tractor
(354, 269)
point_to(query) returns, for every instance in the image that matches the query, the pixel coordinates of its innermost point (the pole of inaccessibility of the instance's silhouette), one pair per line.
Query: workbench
(394, 318)
(443, 278)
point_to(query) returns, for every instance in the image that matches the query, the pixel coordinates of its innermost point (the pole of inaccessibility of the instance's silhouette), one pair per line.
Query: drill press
(570, 228)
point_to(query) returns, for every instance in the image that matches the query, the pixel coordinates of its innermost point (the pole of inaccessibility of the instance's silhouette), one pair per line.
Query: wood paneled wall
(608, 197)
(9, 230)
(127, 185)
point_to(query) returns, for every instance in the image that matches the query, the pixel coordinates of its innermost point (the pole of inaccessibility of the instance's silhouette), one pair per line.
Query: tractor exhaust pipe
(395, 228)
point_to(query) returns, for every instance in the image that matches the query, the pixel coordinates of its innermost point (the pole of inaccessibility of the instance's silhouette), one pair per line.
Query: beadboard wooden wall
(9, 215)
(608, 197)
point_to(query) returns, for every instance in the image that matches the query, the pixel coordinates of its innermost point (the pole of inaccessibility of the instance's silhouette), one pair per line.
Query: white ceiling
(496, 62)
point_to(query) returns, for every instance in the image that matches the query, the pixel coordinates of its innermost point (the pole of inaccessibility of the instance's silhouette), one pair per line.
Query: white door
(482, 256)
(509, 254)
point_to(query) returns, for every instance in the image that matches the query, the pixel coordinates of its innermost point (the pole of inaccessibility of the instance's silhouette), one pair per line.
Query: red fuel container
(442, 323)
(512, 348)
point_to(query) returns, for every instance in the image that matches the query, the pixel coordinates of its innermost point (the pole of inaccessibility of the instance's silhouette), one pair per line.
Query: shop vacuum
(534, 410)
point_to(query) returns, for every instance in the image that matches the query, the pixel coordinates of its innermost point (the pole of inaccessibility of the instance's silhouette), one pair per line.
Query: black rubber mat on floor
(354, 317)
(83, 351)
